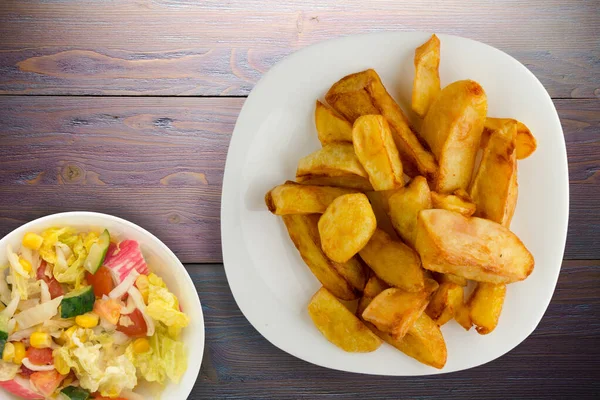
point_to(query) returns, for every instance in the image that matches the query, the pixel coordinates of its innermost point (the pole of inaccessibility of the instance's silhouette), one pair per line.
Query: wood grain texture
(561, 359)
(211, 47)
(159, 162)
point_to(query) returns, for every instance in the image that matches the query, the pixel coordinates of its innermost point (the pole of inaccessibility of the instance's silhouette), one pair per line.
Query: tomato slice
(54, 286)
(101, 281)
(46, 381)
(138, 328)
(40, 356)
(109, 309)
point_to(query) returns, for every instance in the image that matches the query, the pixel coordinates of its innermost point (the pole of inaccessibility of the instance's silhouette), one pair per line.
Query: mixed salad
(82, 318)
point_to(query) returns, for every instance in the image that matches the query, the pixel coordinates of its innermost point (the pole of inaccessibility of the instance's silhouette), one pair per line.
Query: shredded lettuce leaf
(97, 363)
(163, 306)
(51, 236)
(165, 359)
(8, 371)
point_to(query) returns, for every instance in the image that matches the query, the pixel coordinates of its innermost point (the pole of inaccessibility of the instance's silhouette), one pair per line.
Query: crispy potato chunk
(454, 202)
(331, 126)
(463, 317)
(339, 325)
(363, 93)
(395, 310)
(394, 262)
(452, 128)
(445, 302)
(485, 306)
(377, 152)
(379, 203)
(443, 278)
(353, 271)
(374, 286)
(404, 207)
(426, 85)
(293, 198)
(350, 181)
(335, 159)
(494, 189)
(346, 226)
(305, 235)
(473, 248)
(525, 142)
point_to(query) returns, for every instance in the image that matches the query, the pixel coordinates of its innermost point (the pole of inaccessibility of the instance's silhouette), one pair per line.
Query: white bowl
(161, 261)
(270, 282)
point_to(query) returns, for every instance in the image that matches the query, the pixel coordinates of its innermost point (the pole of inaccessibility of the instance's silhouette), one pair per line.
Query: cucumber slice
(75, 393)
(97, 253)
(77, 302)
(3, 332)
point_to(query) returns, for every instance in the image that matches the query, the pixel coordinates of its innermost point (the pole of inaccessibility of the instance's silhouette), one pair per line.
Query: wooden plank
(561, 356)
(182, 47)
(159, 162)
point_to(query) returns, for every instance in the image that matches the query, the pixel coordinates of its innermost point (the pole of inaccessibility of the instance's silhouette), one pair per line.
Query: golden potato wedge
(395, 310)
(334, 159)
(453, 202)
(331, 126)
(304, 233)
(404, 207)
(394, 262)
(349, 181)
(424, 342)
(474, 248)
(339, 325)
(452, 128)
(363, 93)
(525, 142)
(494, 188)
(379, 203)
(463, 317)
(445, 302)
(377, 152)
(443, 278)
(346, 226)
(485, 306)
(426, 85)
(293, 198)
(353, 271)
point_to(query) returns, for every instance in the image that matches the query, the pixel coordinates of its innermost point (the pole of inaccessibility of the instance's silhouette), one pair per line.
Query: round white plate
(270, 282)
(161, 260)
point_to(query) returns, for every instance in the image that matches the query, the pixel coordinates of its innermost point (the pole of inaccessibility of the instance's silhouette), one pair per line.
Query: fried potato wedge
(485, 306)
(445, 302)
(353, 271)
(395, 310)
(463, 316)
(379, 203)
(377, 152)
(494, 188)
(426, 85)
(453, 202)
(331, 126)
(304, 233)
(374, 286)
(339, 325)
(443, 278)
(394, 262)
(525, 142)
(335, 159)
(474, 248)
(293, 198)
(404, 206)
(452, 128)
(363, 93)
(346, 226)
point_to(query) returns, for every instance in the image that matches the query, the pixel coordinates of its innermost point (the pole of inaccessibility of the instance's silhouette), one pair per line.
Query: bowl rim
(175, 260)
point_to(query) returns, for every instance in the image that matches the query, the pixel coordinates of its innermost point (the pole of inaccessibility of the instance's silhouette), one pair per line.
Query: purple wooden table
(127, 107)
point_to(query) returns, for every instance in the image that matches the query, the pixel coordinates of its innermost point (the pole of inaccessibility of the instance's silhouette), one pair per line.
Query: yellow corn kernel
(25, 264)
(20, 352)
(40, 340)
(32, 241)
(61, 366)
(141, 345)
(66, 336)
(87, 320)
(143, 285)
(8, 354)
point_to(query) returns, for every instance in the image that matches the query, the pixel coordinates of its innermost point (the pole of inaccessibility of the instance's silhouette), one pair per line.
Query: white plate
(161, 261)
(269, 280)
